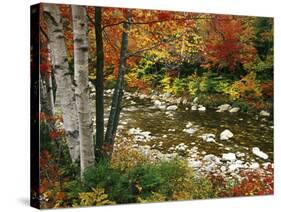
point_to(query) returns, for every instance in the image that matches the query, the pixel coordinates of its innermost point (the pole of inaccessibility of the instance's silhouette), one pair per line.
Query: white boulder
(172, 107)
(211, 158)
(190, 130)
(264, 113)
(157, 103)
(259, 153)
(229, 156)
(223, 108)
(193, 107)
(208, 137)
(181, 147)
(226, 134)
(162, 107)
(202, 108)
(234, 110)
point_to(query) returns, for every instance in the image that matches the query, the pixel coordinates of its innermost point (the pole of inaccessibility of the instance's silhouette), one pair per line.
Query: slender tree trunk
(63, 79)
(99, 82)
(118, 93)
(82, 88)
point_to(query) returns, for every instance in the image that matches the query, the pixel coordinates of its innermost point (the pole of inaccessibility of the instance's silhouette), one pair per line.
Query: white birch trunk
(82, 88)
(63, 78)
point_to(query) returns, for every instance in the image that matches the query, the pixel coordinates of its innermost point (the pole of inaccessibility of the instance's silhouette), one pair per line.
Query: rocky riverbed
(219, 140)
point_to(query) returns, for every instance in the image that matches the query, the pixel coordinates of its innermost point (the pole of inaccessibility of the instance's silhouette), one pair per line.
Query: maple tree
(228, 43)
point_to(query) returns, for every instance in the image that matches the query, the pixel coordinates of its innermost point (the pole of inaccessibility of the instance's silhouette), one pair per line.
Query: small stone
(254, 166)
(162, 107)
(190, 130)
(234, 167)
(194, 107)
(188, 125)
(172, 107)
(266, 165)
(223, 168)
(135, 146)
(240, 154)
(142, 96)
(157, 103)
(264, 113)
(259, 153)
(208, 137)
(171, 149)
(164, 136)
(223, 108)
(211, 158)
(226, 134)
(234, 110)
(202, 108)
(229, 156)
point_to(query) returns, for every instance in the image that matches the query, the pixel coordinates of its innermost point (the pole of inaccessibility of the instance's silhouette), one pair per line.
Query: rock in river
(212, 158)
(172, 107)
(194, 107)
(226, 134)
(229, 156)
(234, 110)
(254, 166)
(190, 130)
(264, 113)
(223, 108)
(208, 137)
(202, 108)
(259, 153)
(157, 103)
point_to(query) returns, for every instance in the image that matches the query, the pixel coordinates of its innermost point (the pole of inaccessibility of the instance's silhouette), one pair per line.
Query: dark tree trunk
(118, 94)
(99, 82)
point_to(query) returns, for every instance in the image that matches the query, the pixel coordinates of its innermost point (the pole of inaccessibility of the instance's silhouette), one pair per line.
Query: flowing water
(167, 128)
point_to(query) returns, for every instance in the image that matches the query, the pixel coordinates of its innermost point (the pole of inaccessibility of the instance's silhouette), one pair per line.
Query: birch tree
(63, 78)
(82, 89)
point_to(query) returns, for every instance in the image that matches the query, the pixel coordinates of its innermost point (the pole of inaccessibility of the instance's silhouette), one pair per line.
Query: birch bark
(63, 78)
(82, 88)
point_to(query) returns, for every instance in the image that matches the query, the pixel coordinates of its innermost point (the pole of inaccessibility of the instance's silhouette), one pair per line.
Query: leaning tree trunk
(99, 83)
(118, 93)
(82, 88)
(63, 78)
